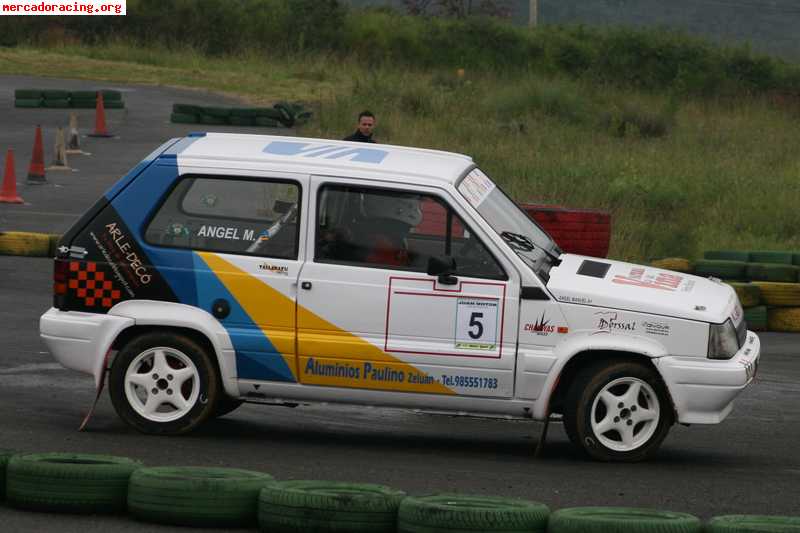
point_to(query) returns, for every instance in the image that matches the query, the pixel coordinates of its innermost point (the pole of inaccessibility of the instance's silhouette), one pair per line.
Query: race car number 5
(476, 324)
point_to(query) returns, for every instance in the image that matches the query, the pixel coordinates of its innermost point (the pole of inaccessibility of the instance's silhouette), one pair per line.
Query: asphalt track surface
(748, 464)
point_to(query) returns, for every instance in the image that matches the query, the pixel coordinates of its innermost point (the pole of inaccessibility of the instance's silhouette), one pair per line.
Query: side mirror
(444, 268)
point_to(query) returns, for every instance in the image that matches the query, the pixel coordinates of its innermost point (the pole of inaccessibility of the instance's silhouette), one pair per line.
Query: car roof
(321, 156)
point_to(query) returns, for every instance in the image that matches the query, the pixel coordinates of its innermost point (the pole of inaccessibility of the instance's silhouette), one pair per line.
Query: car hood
(618, 285)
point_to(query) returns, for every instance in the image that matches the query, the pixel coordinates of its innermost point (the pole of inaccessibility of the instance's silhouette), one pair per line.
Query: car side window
(230, 215)
(382, 228)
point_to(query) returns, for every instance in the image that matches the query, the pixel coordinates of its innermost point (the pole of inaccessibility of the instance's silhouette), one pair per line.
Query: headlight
(722, 341)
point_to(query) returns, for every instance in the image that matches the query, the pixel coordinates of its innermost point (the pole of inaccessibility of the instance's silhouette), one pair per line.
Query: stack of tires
(282, 114)
(60, 99)
(767, 283)
(576, 231)
(233, 498)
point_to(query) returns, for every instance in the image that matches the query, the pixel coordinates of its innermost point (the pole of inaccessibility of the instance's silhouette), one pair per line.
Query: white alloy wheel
(625, 414)
(162, 384)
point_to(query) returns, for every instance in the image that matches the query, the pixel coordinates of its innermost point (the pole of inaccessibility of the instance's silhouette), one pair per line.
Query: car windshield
(522, 234)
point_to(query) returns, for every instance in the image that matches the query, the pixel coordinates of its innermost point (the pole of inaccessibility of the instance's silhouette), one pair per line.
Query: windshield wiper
(523, 243)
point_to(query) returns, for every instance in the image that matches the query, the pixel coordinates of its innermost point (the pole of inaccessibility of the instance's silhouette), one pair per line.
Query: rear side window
(230, 215)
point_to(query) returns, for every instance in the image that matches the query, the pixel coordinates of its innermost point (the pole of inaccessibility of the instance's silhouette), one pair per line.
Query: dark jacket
(359, 137)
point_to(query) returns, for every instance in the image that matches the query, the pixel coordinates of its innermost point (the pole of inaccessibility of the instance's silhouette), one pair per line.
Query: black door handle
(306, 285)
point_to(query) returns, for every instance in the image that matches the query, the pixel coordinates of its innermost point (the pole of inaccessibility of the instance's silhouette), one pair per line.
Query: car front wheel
(163, 383)
(618, 411)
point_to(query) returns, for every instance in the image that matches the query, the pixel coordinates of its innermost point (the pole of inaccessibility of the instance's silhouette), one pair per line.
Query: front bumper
(80, 341)
(702, 389)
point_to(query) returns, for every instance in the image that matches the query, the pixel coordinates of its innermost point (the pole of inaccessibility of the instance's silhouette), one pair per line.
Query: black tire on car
(621, 520)
(196, 496)
(618, 410)
(328, 506)
(172, 372)
(447, 513)
(70, 483)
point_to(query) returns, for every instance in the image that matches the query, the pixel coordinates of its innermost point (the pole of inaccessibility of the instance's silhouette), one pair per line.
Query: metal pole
(533, 13)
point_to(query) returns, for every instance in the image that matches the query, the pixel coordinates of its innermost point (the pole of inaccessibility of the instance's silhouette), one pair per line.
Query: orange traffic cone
(100, 119)
(9, 193)
(36, 169)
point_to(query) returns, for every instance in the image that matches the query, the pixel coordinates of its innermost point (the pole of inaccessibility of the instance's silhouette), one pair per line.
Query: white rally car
(239, 268)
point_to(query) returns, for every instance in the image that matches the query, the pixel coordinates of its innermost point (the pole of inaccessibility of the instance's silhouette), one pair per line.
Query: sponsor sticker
(611, 321)
(476, 187)
(476, 324)
(641, 277)
(656, 328)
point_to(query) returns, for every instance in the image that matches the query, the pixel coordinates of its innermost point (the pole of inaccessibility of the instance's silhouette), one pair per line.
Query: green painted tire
(782, 258)
(250, 112)
(114, 104)
(111, 95)
(54, 94)
(183, 118)
(269, 112)
(195, 496)
(242, 121)
(727, 255)
(83, 104)
(28, 94)
(267, 122)
(69, 482)
(749, 294)
(187, 109)
(213, 120)
(57, 104)
(301, 506)
(222, 112)
(453, 513)
(771, 272)
(621, 520)
(287, 113)
(753, 524)
(5, 455)
(720, 268)
(83, 95)
(756, 318)
(28, 102)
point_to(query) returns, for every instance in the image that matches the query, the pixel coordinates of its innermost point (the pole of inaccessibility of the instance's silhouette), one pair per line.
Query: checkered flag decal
(91, 285)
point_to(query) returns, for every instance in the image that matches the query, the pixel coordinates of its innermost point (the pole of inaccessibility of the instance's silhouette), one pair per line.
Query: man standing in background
(366, 122)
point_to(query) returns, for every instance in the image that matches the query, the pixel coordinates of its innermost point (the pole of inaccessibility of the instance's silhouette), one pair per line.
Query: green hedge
(646, 59)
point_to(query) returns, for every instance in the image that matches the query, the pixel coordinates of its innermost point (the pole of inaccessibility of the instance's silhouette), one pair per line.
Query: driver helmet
(402, 208)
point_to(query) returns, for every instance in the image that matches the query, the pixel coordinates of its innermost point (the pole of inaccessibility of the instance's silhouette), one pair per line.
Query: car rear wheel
(618, 411)
(163, 383)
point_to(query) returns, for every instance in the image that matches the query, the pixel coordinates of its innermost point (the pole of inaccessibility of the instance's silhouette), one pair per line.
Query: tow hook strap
(99, 391)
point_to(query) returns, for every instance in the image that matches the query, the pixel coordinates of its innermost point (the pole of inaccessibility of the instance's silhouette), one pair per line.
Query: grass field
(680, 174)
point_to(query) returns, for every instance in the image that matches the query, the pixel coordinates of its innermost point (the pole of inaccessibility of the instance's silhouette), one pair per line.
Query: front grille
(741, 332)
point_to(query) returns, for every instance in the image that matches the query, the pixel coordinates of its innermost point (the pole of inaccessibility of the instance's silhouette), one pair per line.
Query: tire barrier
(229, 497)
(621, 520)
(784, 319)
(5, 455)
(721, 268)
(60, 99)
(753, 523)
(67, 482)
(756, 318)
(771, 272)
(196, 496)
(282, 114)
(24, 243)
(749, 293)
(783, 258)
(676, 264)
(300, 506)
(727, 255)
(779, 294)
(448, 513)
(577, 231)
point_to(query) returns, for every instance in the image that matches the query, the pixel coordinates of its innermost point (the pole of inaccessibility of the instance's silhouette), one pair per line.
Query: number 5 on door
(476, 323)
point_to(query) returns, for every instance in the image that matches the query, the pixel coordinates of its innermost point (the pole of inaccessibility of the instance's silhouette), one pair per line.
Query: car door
(371, 317)
(235, 244)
